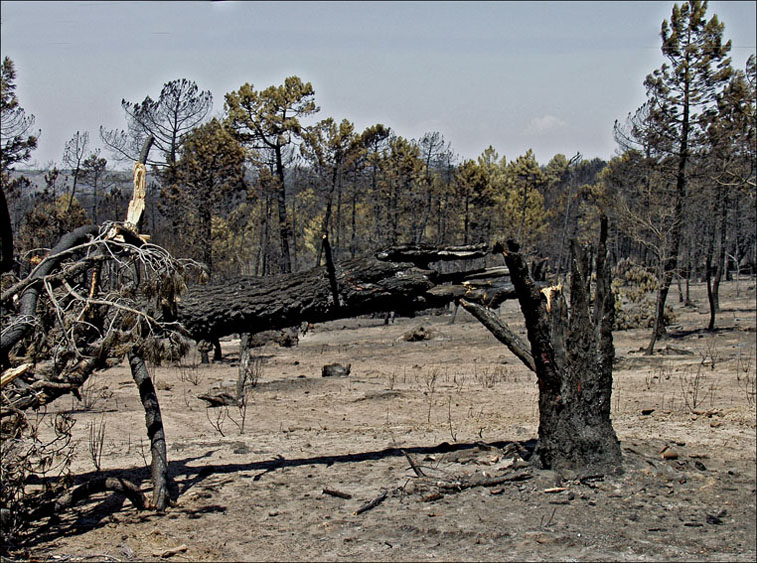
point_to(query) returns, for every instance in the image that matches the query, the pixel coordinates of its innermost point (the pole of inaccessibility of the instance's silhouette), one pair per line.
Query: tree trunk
(523, 213)
(155, 432)
(720, 259)
(6, 236)
(206, 228)
(394, 211)
(294, 233)
(466, 220)
(573, 358)
(353, 230)
(671, 263)
(421, 229)
(94, 197)
(261, 263)
(285, 260)
(337, 250)
(658, 328)
(73, 189)
(708, 277)
(327, 213)
(398, 279)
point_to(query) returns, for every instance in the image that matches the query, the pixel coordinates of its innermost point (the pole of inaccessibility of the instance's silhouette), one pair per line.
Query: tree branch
(501, 331)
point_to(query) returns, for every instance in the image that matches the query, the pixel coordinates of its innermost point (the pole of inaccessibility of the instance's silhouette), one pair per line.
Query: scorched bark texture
(250, 305)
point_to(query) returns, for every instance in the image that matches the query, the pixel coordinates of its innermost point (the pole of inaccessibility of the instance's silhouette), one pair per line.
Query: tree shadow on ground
(94, 512)
(195, 474)
(701, 332)
(100, 509)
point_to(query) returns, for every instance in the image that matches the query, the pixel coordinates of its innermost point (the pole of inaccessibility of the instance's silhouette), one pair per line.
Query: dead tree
(572, 352)
(81, 311)
(398, 279)
(101, 294)
(64, 322)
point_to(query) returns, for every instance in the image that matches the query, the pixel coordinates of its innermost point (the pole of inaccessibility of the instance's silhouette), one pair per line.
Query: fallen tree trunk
(359, 286)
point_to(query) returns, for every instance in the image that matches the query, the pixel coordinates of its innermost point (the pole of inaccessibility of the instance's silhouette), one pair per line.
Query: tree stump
(573, 354)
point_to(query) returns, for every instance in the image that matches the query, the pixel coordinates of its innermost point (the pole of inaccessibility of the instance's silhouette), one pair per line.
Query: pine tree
(331, 148)
(681, 95)
(268, 121)
(209, 172)
(731, 134)
(16, 145)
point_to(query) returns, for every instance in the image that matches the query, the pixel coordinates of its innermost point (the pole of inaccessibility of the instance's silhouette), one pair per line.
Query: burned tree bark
(573, 355)
(501, 331)
(389, 281)
(155, 431)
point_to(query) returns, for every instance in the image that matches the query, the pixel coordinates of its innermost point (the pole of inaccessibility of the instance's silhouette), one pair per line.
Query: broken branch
(335, 493)
(372, 504)
(501, 331)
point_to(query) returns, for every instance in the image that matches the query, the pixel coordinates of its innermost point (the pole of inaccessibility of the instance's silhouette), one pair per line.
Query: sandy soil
(462, 407)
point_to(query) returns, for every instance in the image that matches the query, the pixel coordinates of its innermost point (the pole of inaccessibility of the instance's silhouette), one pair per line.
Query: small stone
(418, 334)
(335, 370)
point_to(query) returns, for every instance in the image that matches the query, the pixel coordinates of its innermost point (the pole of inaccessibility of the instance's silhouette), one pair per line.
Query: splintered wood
(14, 372)
(137, 203)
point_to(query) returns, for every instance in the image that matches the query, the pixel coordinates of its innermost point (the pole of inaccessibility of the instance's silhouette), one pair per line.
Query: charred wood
(501, 331)
(338, 290)
(573, 359)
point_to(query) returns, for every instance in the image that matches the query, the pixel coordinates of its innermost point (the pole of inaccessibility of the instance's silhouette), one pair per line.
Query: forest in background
(266, 190)
(252, 192)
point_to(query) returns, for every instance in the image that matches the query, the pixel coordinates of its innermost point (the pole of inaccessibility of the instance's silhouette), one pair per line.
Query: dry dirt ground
(462, 408)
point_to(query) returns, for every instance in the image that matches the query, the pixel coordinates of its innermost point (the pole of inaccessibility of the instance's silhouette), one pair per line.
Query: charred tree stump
(573, 354)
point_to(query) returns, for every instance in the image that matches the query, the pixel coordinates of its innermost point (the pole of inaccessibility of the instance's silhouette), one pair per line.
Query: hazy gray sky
(552, 76)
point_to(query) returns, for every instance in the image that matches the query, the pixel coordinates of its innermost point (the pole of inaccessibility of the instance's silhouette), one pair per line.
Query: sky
(548, 76)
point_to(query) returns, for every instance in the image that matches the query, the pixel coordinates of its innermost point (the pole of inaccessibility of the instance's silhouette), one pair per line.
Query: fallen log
(354, 287)
(372, 503)
(84, 491)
